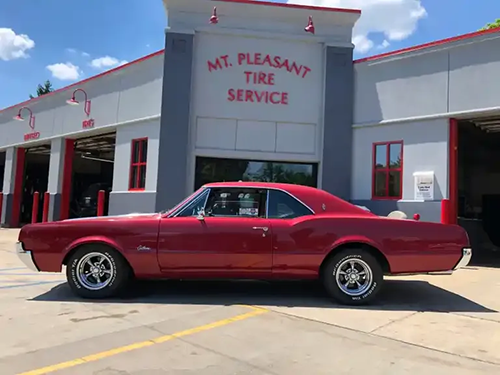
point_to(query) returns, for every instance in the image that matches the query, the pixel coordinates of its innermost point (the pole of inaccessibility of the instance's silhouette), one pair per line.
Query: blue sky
(78, 32)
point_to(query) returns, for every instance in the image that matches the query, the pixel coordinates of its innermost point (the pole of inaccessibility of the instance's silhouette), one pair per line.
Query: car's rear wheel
(353, 277)
(97, 271)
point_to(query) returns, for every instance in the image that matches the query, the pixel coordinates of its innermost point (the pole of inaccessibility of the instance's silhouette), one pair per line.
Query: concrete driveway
(433, 324)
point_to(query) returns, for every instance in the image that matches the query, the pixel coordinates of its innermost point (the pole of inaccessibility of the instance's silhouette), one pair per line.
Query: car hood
(131, 216)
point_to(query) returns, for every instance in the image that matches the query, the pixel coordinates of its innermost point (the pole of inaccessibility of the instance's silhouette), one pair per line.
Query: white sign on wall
(424, 186)
(251, 78)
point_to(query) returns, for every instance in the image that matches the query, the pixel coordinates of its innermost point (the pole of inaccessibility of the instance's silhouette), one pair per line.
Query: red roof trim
(428, 45)
(86, 80)
(292, 6)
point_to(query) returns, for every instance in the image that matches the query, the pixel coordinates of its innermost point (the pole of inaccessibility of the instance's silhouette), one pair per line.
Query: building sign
(33, 134)
(424, 186)
(88, 124)
(259, 70)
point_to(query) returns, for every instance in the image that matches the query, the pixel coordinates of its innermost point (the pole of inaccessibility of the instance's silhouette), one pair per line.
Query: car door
(297, 248)
(223, 233)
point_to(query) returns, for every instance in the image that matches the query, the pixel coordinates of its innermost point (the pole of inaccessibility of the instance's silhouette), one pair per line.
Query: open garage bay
(425, 324)
(92, 171)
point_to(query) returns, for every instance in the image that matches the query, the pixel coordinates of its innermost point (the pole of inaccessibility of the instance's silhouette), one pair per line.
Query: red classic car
(245, 230)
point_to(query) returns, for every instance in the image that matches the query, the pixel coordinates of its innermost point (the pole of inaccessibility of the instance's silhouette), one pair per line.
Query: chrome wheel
(354, 277)
(95, 271)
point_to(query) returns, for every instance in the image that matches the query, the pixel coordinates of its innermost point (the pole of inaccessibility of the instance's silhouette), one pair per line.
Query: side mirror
(201, 215)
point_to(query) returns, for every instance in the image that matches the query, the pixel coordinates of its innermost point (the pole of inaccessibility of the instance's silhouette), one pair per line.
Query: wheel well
(376, 253)
(76, 248)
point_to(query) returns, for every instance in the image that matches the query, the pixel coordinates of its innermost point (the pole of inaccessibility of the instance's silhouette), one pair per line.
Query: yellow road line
(143, 344)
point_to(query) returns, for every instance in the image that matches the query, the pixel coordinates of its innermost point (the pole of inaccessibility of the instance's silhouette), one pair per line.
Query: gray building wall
(8, 186)
(410, 97)
(425, 148)
(128, 94)
(447, 78)
(337, 119)
(122, 201)
(173, 141)
(128, 98)
(56, 166)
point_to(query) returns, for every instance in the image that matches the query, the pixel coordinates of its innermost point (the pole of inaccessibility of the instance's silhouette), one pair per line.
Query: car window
(195, 206)
(239, 202)
(284, 206)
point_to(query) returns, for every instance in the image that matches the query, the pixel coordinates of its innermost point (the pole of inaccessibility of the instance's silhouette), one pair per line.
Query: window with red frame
(387, 170)
(138, 161)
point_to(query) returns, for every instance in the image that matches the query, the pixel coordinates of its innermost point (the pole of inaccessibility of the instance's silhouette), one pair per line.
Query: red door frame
(453, 169)
(67, 177)
(20, 157)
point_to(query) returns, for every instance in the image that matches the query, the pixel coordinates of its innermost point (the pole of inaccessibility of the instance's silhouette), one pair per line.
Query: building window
(387, 176)
(138, 161)
(222, 170)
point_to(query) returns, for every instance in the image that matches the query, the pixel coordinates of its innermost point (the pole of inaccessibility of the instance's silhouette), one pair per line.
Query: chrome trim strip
(465, 259)
(267, 203)
(197, 197)
(26, 257)
(206, 199)
(180, 208)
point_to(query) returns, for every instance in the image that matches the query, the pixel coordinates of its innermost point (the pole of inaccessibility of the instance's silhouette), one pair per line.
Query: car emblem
(143, 248)
(323, 206)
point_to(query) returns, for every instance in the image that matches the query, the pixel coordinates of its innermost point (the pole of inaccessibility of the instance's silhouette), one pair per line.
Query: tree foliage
(42, 90)
(492, 25)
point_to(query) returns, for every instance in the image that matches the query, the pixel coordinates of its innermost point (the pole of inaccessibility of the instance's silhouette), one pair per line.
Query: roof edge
(428, 45)
(100, 75)
(292, 6)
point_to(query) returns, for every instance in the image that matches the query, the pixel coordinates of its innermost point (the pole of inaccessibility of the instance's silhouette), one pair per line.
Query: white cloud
(65, 71)
(396, 19)
(106, 62)
(362, 43)
(75, 51)
(14, 46)
(384, 44)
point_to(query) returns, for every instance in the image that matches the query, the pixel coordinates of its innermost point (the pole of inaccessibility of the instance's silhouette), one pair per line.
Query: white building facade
(254, 96)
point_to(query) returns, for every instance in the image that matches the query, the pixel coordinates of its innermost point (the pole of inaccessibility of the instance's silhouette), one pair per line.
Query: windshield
(182, 203)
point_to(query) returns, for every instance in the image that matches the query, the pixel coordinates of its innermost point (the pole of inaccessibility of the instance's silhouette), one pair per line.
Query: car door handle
(265, 229)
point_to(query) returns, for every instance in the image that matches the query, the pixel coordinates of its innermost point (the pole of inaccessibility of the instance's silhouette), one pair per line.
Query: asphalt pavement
(421, 324)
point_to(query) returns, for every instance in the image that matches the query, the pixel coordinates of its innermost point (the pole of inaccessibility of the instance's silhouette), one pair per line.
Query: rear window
(283, 206)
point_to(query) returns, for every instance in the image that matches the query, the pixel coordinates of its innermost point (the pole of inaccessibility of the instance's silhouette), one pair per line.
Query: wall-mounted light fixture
(214, 19)
(19, 117)
(73, 101)
(310, 26)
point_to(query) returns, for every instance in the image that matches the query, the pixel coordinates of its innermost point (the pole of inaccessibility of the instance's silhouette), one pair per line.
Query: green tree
(492, 25)
(42, 90)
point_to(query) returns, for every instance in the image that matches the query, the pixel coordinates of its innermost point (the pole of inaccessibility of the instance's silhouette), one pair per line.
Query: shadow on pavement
(397, 295)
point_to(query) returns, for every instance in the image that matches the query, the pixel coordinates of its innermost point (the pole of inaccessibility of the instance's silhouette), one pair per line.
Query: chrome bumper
(465, 259)
(26, 257)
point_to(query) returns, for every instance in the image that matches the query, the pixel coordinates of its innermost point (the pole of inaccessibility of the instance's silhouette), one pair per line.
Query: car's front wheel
(353, 277)
(97, 271)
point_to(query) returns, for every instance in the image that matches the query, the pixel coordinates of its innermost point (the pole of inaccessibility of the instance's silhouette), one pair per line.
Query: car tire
(97, 271)
(342, 281)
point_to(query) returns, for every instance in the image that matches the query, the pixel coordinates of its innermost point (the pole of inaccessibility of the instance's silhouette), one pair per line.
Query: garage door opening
(479, 187)
(35, 179)
(92, 171)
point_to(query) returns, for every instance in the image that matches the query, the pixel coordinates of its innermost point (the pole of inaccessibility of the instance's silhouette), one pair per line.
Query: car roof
(318, 200)
(265, 185)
